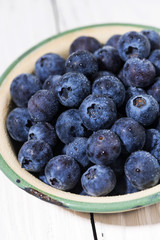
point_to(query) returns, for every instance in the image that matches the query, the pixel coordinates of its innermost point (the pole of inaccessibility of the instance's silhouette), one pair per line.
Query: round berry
(43, 106)
(142, 108)
(43, 131)
(85, 43)
(108, 59)
(18, 124)
(62, 172)
(142, 170)
(154, 90)
(77, 150)
(98, 180)
(83, 62)
(69, 126)
(109, 86)
(72, 88)
(34, 155)
(154, 58)
(97, 112)
(131, 133)
(152, 143)
(23, 87)
(153, 37)
(103, 147)
(133, 91)
(133, 44)
(113, 41)
(138, 73)
(49, 64)
(51, 82)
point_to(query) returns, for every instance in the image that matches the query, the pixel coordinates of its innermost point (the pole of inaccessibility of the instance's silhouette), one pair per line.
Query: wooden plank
(22, 216)
(22, 25)
(88, 12)
(138, 224)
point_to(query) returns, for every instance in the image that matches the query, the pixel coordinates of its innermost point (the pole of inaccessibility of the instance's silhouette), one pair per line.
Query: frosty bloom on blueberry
(85, 43)
(142, 108)
(90, 124)
(133, 44)
(103, 147)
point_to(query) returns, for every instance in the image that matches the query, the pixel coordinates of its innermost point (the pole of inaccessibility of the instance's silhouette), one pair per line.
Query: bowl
(8, 160)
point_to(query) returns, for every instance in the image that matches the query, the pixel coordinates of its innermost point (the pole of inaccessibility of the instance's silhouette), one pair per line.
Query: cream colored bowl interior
(58, 45)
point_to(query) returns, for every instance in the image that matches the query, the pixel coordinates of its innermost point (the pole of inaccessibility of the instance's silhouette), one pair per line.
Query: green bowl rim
(71, 204)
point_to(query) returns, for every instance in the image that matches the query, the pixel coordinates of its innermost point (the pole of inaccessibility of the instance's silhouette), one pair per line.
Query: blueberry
(43, 106)
(154, 90)
(85, 43)
(120, 77)
(69, 126)
(108, 59)
(77, 150)
(129, 188)
(34, 155)
(18, 124)
(43, 131)
(131, 133)
(122, 187)
(153, 38)
(23, 87)
(133, 44)
(155, 60)
(103, 147)
(113, 41)
(72, 88)
(51, 82)
(152, 144)
(98, 180)
(158, 124)
(62, 172)
(109, 86)
(142, 170)
(118, 165)
(152, 139)
(142, 108)
(133, 91)
(49, 64)
(101, 74)
(97, 112)
(83, 62)
(138, 72)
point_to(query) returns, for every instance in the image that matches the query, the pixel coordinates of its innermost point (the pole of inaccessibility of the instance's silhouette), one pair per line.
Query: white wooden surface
(24, 23)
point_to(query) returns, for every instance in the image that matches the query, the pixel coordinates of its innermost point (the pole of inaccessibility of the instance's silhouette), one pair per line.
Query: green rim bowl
(8, 160)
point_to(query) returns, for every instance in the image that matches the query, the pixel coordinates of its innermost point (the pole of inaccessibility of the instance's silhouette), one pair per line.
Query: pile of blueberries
(90, 124)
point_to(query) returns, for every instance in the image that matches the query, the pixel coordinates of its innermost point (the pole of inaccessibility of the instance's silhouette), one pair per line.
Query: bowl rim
(99, 205)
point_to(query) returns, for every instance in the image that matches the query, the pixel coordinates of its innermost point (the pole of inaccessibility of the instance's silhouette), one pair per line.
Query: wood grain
(138, 224)
(77, 13)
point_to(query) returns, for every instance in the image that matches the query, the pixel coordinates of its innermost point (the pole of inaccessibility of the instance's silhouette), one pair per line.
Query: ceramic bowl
(8, 160)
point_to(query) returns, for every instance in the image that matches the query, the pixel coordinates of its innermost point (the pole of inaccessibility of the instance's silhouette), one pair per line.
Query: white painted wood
(22, 216)
(23, 23)
(138, 224)
(77, 13)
